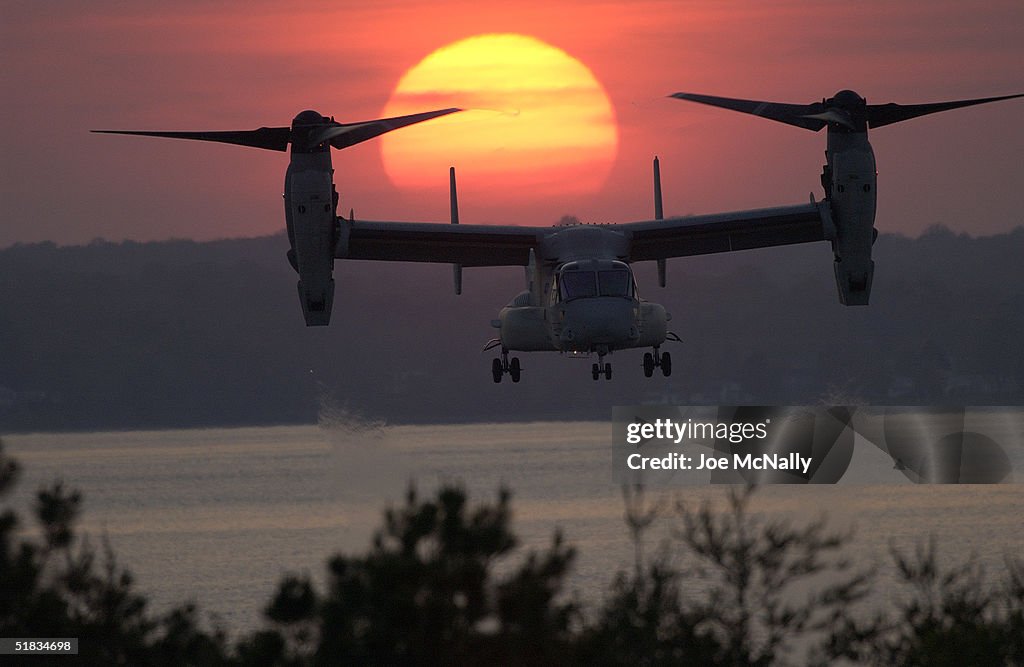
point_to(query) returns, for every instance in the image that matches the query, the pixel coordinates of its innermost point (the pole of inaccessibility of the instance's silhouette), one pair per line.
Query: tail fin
(454, 197)
(659, 214)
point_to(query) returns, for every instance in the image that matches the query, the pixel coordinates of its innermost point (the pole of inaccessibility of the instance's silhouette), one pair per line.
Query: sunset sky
(71, 66)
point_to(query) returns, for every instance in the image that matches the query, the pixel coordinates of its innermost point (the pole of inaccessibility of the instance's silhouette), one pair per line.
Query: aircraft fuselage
(581, 297)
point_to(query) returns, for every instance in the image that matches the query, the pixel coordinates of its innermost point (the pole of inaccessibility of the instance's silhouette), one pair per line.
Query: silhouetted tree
(59, 588)
(645, 620)
(953, 616)
(771, 585)
(750, 612)
(426, 592)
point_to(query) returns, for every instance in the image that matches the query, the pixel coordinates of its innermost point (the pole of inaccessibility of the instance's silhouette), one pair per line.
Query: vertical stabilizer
(534, 284)
(454, 198)
(659, 214)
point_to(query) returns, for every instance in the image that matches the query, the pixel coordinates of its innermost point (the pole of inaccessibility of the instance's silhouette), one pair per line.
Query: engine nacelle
(317, 302)
(524, 326)
(313, 232)
(850, 179)
(653, 324)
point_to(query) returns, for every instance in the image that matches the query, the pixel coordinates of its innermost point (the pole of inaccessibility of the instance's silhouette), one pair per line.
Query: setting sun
(535, 118)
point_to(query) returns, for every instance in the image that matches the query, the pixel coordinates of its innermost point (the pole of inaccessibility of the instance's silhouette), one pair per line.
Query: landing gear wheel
(666, 364)
(496, 370)
(595, 370)
(514, 369)
(648, 364)
(607, 371)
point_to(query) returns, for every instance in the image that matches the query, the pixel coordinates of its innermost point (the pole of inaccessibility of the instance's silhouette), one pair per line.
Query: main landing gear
(504, 365)
(662, 360)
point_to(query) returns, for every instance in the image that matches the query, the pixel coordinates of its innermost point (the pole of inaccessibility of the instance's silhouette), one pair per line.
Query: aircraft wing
(468, 245)
(724, 232)
(510, 245)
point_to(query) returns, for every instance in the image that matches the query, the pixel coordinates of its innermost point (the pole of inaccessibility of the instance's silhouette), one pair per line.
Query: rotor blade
(886, 114)
(270, 138)
(791, 114)
(344, 135)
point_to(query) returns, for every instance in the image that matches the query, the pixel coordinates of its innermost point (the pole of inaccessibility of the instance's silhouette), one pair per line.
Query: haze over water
(220, 515)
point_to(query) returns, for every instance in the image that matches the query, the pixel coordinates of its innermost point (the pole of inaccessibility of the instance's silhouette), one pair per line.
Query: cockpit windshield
(578, 284)
(613, 283)
(611, 279)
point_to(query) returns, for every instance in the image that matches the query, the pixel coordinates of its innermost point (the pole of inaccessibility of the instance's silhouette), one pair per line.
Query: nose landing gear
(658, 359)
(504, 365)
(601, 368)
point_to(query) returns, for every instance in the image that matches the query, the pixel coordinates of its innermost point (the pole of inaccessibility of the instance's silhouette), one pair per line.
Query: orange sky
(72, 66)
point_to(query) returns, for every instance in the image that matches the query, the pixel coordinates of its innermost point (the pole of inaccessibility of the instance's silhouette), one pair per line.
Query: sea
(219, 516)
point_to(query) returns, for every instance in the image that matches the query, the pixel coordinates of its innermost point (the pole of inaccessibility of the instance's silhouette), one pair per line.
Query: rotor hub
(847, 100)
(308, 118)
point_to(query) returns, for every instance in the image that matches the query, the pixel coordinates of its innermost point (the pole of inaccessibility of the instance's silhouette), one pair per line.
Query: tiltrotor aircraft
(580, 296)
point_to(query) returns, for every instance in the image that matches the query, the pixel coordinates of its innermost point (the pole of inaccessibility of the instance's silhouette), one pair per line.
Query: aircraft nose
(599, 321)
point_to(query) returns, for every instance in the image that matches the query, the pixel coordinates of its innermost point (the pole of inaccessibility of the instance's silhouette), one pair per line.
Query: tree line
(180, 333)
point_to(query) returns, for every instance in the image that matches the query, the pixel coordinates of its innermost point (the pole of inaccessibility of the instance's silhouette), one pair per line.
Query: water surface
(220, 515)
